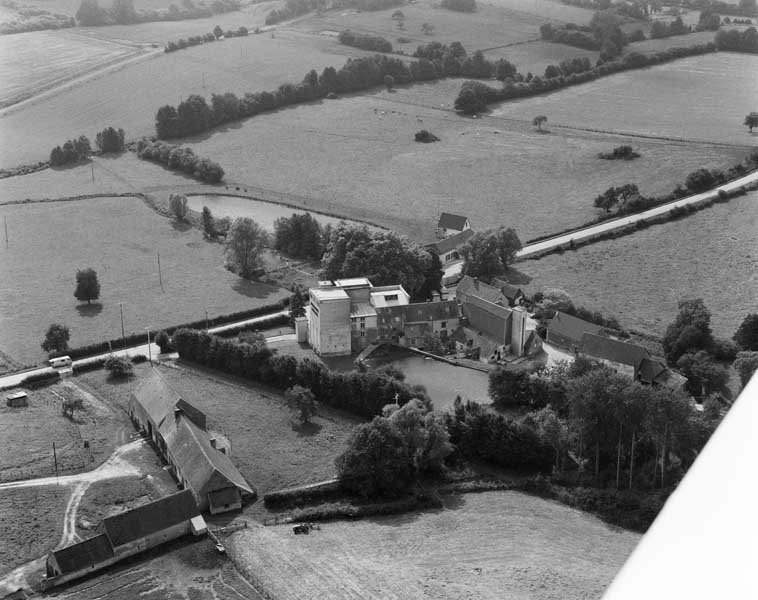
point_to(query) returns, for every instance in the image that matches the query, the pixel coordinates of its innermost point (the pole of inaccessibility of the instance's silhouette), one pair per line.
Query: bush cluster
(624, 152)
(374, 43)
(71, 152)
(346, 510)
(481, 434)
(110, 140)
(180, 159)
(738, 41)
(295, 8)
(474, 96)
(196, 40)
(364, 394)
(568, 67)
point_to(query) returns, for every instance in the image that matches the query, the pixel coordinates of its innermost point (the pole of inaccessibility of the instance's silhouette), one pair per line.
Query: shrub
(118, 366)
(426, 137)
(40, 379)
(110, 140)
(620, 153)
(138, 359)
(163, 341)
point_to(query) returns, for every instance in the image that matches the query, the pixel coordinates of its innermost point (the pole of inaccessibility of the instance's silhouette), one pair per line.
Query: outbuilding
(17, 400)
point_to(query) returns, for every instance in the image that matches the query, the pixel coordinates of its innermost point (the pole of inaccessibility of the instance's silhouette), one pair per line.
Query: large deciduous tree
(300, 236)
(746, 364)
(746, 335)
(690, 331)
(56, 338)
(487, 254)
(244, 245)
(177, 204)
(87, 285)
(382, 256)
(704, 375)
(394, 450)
(302, 401)
(751, 120)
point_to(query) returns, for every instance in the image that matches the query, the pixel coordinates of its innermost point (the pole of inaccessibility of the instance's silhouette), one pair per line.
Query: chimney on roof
(213, 443)
(177, 412)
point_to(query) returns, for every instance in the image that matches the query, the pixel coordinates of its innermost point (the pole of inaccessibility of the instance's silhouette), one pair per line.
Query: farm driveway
(117, 465)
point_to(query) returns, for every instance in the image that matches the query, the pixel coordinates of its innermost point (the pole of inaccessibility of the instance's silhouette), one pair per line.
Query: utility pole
(206, 320)
(149, 352)
(160, 276)
(5, 220)
(55, 459)
(92, 164)
(123, 335)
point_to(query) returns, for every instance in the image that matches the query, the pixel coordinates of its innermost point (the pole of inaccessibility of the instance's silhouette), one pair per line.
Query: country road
(612, 225)
(585, 233)
(151, 351)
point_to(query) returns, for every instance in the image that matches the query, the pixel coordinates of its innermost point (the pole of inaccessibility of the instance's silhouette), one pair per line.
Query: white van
(60, 361)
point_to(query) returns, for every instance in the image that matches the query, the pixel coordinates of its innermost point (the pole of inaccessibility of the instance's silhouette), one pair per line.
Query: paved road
(144, 349)
(606, 226)
(614, 224)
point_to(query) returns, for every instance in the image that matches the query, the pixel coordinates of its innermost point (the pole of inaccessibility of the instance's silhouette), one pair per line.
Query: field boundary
(284, 203)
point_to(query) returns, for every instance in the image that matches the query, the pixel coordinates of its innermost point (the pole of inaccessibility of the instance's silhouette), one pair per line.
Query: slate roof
(491, 307)
(156, 398)
(430, 311)
(83, 554)
(450, 243)
(149, 518)
(509, 290)
(450, 221)
(616, 351)
(199, 462)
(650, 370)
(570, 327)
(474, 287)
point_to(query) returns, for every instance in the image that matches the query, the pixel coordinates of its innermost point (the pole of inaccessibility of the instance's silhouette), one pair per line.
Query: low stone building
(195, 458)
(450, 224)
(566, 331)
(124, 535)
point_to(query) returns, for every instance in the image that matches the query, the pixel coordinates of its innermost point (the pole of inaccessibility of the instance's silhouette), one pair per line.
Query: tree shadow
(181, 226)
(517, 277)
(306, 429)
(253, 289)
(89, 310)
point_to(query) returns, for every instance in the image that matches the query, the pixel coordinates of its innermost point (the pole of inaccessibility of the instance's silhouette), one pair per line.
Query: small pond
(263, 213)
(442, 381)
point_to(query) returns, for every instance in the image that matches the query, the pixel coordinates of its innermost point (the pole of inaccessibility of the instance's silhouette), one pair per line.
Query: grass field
(640, 278)
(534, 57)
(250, 64)
(29, 434)
(267, 444)
(493, 170)
(488, 27)
(497, 545)
(658, 100)
(36, 61)
(120, 238)
(31, 523)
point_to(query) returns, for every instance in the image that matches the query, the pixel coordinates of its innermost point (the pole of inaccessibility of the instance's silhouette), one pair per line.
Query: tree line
(211, 36)
(295, 8)
(122, 12)
(180, 159)
(474, 96)
(363, 394)
(194, 115)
